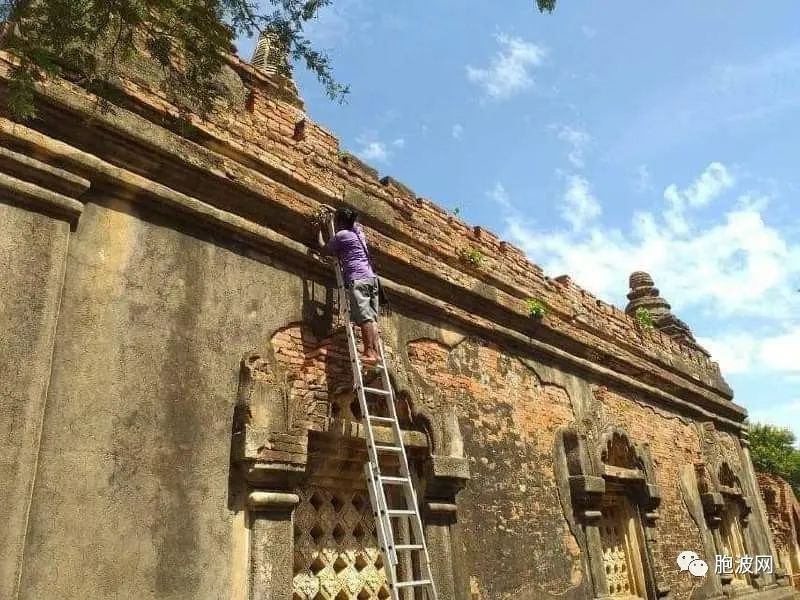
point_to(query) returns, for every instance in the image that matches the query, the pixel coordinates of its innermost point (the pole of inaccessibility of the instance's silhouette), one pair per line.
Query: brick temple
(178, 418)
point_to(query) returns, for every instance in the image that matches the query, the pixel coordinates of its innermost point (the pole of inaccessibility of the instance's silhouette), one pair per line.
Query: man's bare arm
(323, 247)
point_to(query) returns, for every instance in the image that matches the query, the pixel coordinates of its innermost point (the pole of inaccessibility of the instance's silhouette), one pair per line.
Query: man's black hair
(346, 217)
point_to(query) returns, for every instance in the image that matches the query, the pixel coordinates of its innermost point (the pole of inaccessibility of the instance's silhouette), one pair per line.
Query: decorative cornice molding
(32, 183)
(28, 194)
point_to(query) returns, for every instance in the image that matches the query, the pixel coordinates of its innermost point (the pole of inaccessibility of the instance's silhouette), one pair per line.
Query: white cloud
(498, 194)
(712, 182)
(577, 139)
(458, 131)
(782, 352)
(743, 352)
(509, 70)
(735, 353)
(783, 414)
(579, 206)
(374, 150)
(738, 265)
(709, 185)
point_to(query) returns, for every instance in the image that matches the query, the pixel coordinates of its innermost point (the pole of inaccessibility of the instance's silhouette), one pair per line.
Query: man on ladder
(354, 272)
(349, 245)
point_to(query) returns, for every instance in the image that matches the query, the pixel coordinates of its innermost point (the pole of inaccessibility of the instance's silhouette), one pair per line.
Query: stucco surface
(132, 498)
(32, 252)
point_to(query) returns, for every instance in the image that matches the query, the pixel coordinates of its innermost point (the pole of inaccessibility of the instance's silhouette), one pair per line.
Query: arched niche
(611, 499)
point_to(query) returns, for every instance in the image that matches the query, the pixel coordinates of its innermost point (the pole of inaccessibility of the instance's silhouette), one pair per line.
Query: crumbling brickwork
(507, 418)
(783, 512)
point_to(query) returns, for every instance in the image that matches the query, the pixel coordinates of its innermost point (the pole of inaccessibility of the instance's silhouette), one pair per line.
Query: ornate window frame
(594, 461)
(727, 512)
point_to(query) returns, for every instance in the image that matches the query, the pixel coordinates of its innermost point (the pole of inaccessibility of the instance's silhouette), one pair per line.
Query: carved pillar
(690, 490)
(270, 460)
(439, 517)
(271, 544)
(767, 580)
(587, 493)
(445, 477)
(713, 507)
(649, 506)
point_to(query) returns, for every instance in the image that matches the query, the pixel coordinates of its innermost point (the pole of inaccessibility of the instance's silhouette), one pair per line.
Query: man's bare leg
(369, 331)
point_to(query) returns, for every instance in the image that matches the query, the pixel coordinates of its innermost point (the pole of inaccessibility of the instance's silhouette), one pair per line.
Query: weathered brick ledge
(263, 169)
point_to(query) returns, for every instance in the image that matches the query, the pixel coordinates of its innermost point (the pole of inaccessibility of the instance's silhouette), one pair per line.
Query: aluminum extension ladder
(386, 515)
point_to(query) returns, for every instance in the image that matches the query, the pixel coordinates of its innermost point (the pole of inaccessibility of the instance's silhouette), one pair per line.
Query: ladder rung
(371, 390)
(402, 584)
(393, 480)
(380, 448)
(400, 512)
(409, 547)
(381, 419)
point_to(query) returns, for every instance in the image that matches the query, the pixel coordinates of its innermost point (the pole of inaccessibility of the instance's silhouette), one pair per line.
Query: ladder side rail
(381, 504)
(408, 489)
(380, 523)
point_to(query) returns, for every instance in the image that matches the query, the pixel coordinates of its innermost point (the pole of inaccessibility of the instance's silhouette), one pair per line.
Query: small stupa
(644, 294)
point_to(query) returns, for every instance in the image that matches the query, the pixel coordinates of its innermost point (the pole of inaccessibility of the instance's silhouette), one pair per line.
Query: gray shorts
(363, 297)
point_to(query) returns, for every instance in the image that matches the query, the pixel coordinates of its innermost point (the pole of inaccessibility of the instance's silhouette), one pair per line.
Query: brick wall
(271, 133)
(518, 539)
(783, 514)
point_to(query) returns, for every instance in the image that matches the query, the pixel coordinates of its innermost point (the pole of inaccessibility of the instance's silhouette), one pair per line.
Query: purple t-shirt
(349, 247)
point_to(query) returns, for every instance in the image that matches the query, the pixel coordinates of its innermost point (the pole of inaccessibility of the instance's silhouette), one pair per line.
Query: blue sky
(604, 138)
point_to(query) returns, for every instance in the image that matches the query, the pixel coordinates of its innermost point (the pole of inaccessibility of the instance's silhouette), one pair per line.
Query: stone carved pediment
(728, 479)
(264, 439)
(720, 472)
(262, 393)
(595, 448)
(618, 451)
(595, 422)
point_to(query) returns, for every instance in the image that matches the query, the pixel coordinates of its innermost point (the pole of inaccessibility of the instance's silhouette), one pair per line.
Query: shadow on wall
(319, 308)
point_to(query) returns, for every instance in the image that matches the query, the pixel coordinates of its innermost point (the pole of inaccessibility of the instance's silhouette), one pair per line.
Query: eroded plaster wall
(132, 496)
(134, 474)
(33, 250)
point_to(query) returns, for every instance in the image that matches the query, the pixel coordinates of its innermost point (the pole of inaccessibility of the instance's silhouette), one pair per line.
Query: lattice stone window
(733, 539)
(620, 538)
(336, 554)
